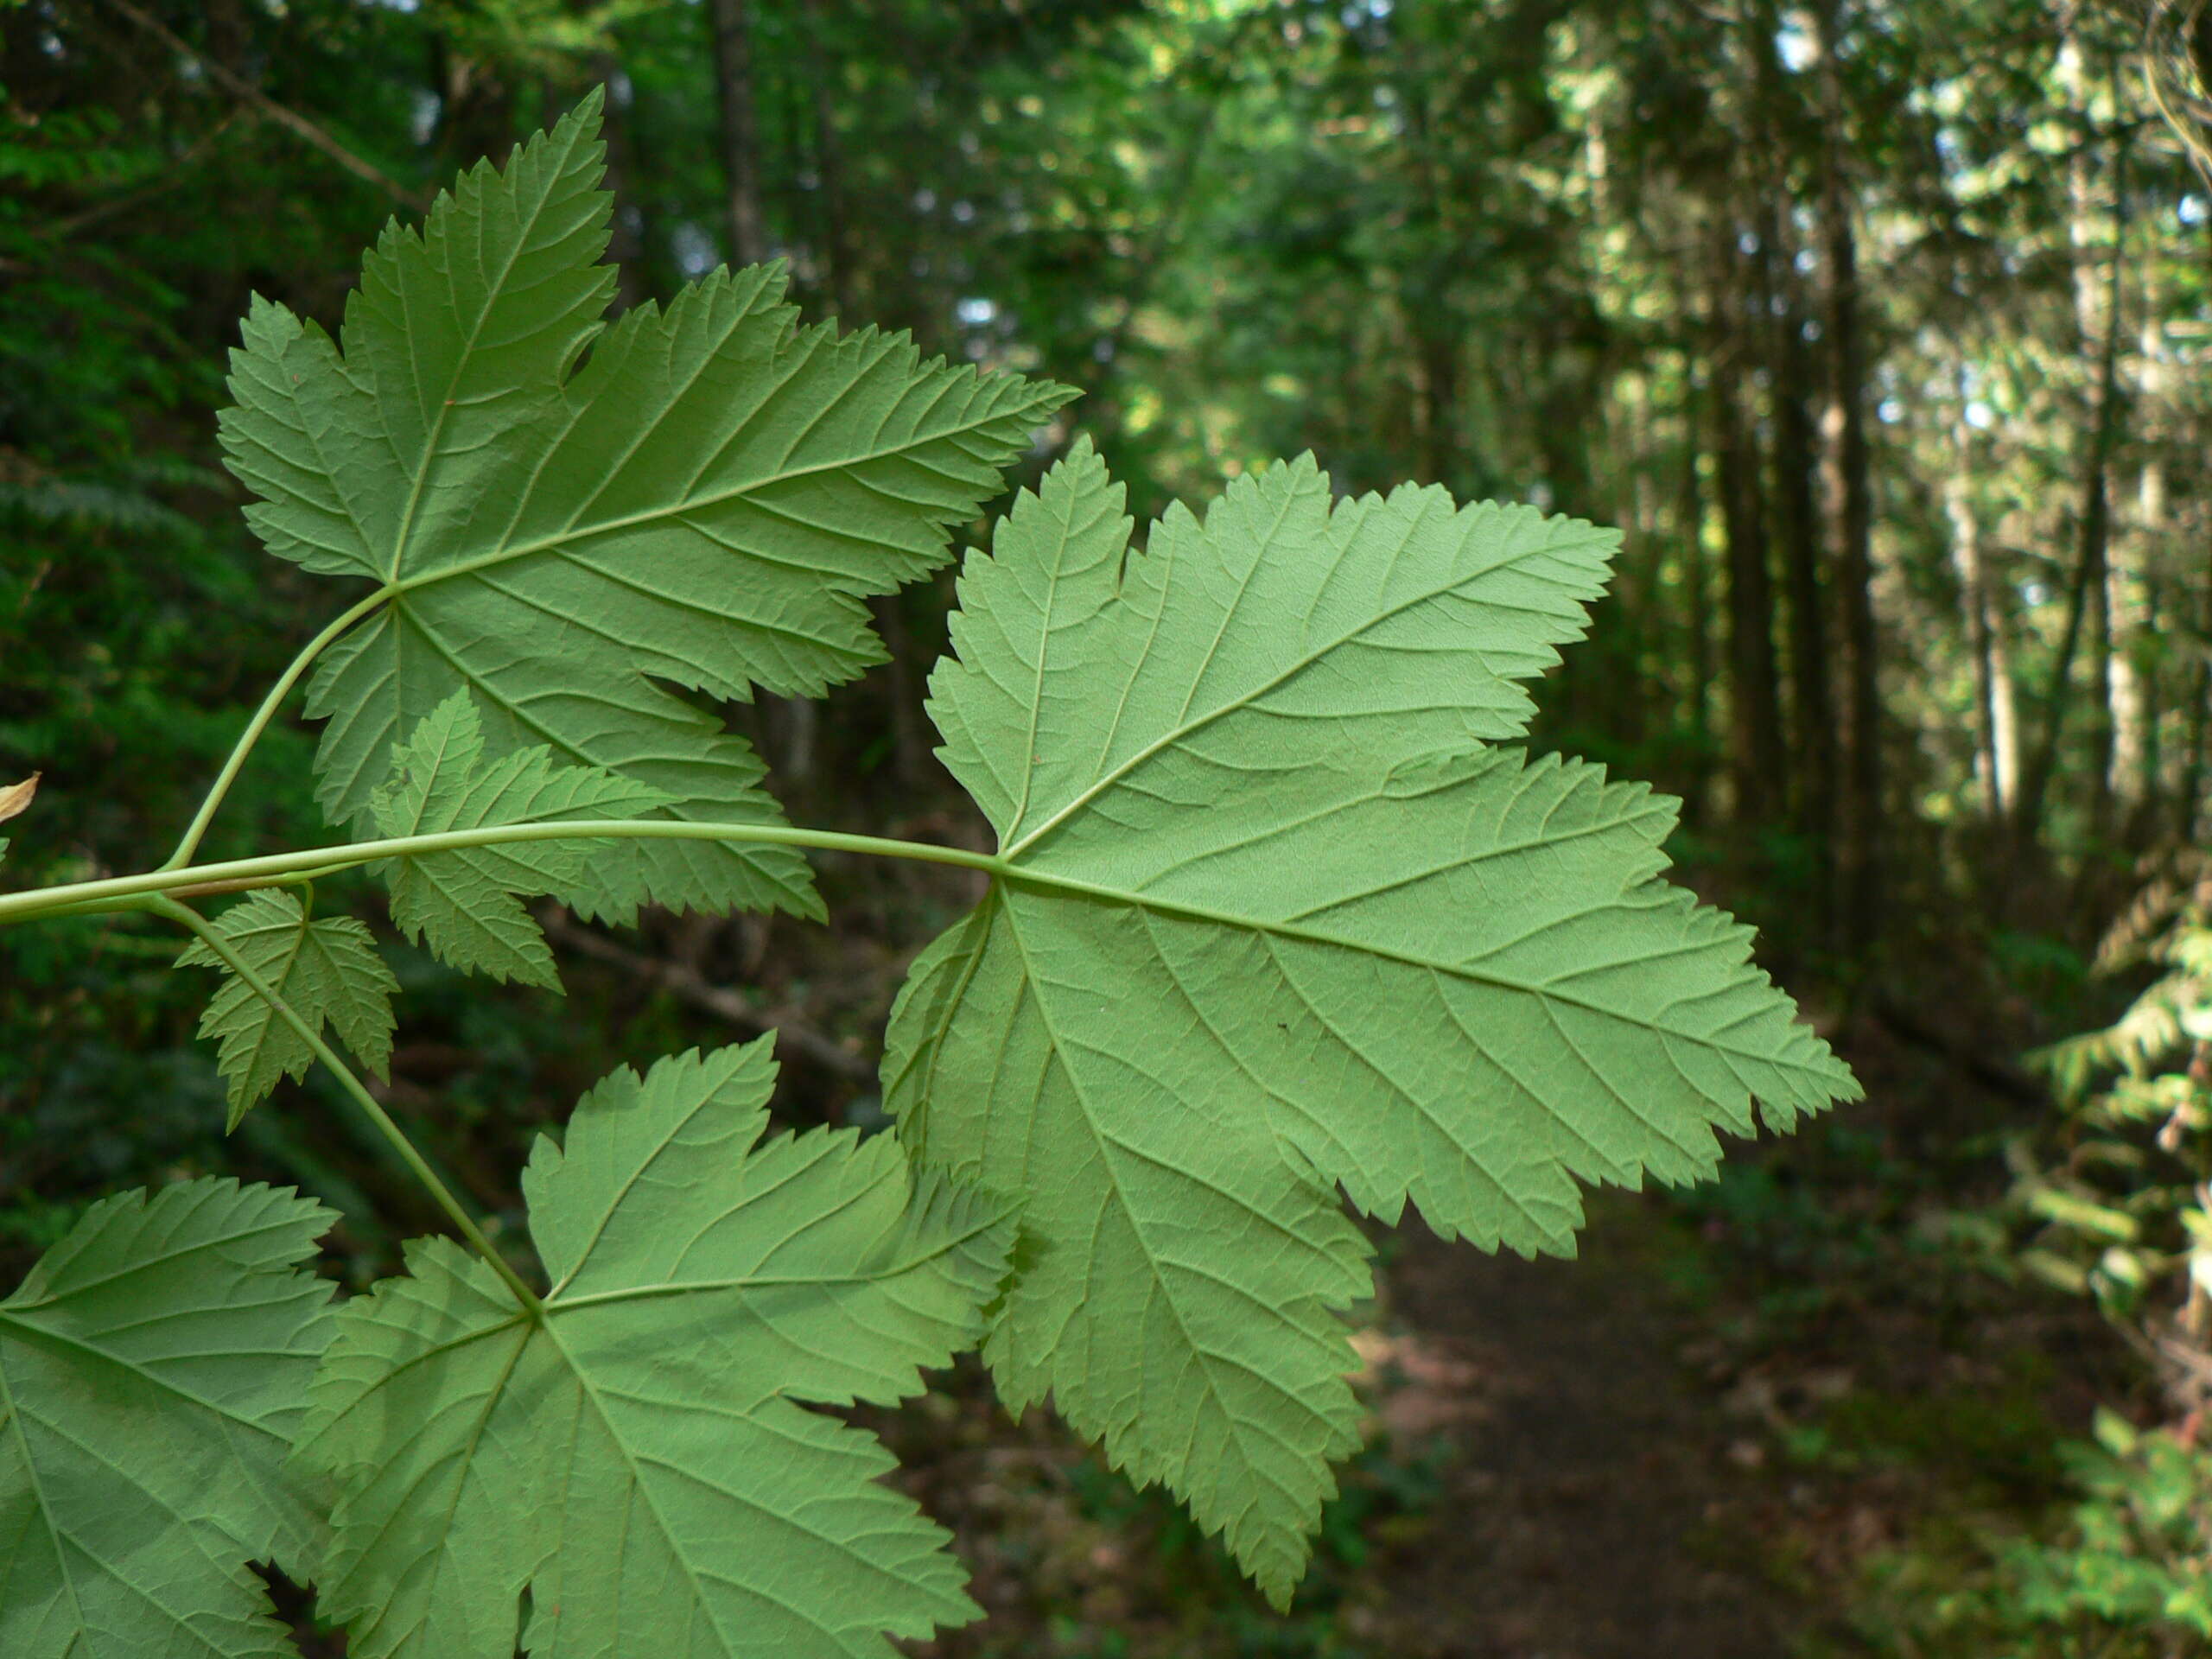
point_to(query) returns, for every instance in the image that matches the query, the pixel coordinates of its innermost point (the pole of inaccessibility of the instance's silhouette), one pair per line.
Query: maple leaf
(327, 970)
(1276, 916)
(465, 903)
(706, 502)
(639, 1458)
(153, 1366)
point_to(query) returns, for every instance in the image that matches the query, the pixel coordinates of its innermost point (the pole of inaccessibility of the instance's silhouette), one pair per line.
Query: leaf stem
(194, 923)
(259, 723)
(239, 875)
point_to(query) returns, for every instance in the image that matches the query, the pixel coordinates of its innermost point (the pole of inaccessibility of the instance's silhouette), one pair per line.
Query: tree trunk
(627, 246)
(822, 75)
(2099, 703)
(2136, 595)
(1992, 766)
(1797, 526)
(2094, 527)
(789, 725)
(1758, 766)
(2196, 757)
(1427, 294)
(1851, 511)
(1796, 516)
(902, 709)
(730, 33)
(1696, 599)
(2005, 728)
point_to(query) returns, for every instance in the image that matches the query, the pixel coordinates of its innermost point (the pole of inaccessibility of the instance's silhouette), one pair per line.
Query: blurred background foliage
(1879, 325)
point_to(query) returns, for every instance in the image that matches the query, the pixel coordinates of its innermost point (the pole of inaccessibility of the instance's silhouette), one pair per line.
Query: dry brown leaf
(17, 798)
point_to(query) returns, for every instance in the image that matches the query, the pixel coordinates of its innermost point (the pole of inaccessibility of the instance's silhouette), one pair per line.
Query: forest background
(1877, 327)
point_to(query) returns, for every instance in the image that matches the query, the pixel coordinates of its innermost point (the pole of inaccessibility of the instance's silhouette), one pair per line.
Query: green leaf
(1277, 919)
(706, 503)
(153, 1367)
(326, 971)
(465, 904)
(640, 1460)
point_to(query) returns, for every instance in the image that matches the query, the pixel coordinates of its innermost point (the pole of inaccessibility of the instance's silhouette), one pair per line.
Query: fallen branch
(688, 985)
(240, 87)
(60, 230)
(2001, 1078)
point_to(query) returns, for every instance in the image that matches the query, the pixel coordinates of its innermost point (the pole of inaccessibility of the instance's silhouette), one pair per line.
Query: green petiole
(190, 841)
(275, 869)
(192, 923)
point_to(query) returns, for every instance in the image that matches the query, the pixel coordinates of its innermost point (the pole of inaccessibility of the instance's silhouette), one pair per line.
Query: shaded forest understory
(1778, 1415)
(1878, 326)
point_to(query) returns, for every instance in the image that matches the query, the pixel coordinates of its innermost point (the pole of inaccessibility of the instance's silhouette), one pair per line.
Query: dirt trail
(1594, 1510)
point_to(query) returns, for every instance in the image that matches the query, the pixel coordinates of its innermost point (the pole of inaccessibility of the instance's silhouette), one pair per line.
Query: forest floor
(1600, 1502)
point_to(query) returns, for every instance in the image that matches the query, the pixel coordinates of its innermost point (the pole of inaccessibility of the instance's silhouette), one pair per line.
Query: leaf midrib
(269, 1026)
(494, 1397)
(768, 1281)
(1108, 1147)
(589, 1388)
(583, 531)
(1186, 726)
(495, 290)
(32, 1332)
(1074, 887)
(14, 1415)
(75, 1288)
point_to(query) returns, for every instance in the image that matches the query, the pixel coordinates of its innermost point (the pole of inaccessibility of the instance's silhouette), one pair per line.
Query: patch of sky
(694, 248)
(1795, 46)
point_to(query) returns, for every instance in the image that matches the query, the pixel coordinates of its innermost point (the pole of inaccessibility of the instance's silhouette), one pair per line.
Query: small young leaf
(16, 798)
(707, 502)
(639, 1459)
(465, 904)
(153, 1367)
(326, 971)
(1283, 922)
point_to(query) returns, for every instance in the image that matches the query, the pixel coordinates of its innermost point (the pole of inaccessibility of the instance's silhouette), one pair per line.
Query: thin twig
(197, 152)
(2001, 1076)
(688, 985)
(358, 166)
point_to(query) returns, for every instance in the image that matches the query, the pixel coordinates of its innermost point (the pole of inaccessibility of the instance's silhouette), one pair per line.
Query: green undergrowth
(1951, 1438)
